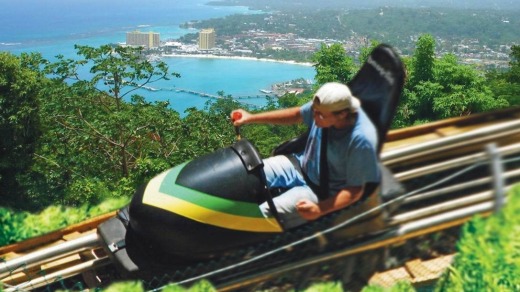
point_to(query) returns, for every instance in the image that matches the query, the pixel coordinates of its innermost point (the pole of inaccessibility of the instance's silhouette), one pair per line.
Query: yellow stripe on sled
(153, 197)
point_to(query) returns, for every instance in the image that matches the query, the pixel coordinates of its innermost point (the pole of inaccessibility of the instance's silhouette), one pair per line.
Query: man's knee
(289, 219)
(280, 172)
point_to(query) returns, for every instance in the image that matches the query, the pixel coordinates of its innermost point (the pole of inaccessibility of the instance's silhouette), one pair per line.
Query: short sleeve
(306, 112)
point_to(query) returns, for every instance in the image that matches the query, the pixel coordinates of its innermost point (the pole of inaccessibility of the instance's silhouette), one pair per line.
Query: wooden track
(418, 272)
(404, 151)
(73, 231)
(26, 247)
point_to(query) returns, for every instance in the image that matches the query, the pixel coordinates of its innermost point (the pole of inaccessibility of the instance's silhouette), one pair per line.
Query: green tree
(98, 133)
(333, 64)
(289, 100)
(463, 90)
(507, 84)
(514, 63)
(442, 87)
(122, 70)
(20, 88)
(223, 105)
(423, 60)
(204, 131)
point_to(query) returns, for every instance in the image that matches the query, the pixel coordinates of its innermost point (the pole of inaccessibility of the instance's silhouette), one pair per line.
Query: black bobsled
(208, 208)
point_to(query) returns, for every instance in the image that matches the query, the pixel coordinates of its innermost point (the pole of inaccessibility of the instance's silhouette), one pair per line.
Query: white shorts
(281, 173)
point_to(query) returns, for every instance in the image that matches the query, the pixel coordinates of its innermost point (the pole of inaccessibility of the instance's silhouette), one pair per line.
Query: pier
(205, 94)
(208, 95)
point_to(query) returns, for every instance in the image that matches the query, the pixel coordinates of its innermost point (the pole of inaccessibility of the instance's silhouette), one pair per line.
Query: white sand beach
(211, 56)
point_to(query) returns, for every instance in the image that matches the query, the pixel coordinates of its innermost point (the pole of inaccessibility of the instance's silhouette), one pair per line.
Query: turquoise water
(241, 79)
(52, 27)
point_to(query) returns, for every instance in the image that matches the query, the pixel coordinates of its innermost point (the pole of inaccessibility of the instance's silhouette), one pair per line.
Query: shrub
(488, 257)
(23, 225)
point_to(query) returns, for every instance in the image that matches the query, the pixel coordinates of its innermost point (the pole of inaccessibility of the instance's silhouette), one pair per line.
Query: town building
(207, 39)
(144, 39)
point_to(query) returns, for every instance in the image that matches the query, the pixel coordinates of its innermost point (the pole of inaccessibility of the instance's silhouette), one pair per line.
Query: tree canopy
(439, 88)
(332, 64)
(20, 91)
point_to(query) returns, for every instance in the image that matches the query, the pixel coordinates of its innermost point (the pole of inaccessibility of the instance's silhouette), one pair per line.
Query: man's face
(325, 119)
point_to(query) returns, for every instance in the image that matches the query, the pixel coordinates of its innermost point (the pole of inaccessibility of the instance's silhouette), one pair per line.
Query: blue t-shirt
(351, 152)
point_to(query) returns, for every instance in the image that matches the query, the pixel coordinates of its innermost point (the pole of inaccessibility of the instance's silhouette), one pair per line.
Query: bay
(242, 79)
(53, 27)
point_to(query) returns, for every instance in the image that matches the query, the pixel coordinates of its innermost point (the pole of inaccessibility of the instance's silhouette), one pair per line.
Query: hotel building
(207, 39)
(144, 39)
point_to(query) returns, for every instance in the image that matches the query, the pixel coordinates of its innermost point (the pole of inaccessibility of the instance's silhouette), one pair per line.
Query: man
(351, 156)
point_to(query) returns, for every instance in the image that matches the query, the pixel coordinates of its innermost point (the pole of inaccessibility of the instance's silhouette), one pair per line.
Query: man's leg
(286, 205)
(281, 173)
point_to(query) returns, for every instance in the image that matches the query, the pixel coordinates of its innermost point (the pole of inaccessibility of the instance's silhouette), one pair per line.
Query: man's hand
(240, 117)
(308, 210)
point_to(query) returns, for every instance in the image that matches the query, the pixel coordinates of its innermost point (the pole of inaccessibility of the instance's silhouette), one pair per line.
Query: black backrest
(379, 84)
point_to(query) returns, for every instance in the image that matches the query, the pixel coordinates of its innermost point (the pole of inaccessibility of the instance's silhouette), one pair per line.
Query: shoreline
(210, 56)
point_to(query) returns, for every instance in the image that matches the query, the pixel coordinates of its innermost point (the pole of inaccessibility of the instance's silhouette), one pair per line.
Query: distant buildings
(207, 39)
(144, 39)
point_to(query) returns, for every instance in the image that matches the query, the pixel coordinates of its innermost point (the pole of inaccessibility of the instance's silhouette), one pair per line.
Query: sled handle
(237, 116)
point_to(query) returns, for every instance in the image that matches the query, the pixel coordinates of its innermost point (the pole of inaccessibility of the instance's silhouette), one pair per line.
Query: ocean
(53, 27)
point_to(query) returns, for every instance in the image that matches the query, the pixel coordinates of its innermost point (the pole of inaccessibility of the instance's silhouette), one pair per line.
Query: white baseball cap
(335, 96)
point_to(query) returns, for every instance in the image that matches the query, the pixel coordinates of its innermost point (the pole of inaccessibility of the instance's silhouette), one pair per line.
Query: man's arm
(342, 199)
(281, 117)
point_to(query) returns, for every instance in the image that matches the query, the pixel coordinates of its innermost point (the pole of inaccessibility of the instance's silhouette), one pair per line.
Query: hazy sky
(354, 4)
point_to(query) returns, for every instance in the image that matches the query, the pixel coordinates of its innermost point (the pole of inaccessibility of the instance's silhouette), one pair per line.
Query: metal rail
(60, 275)
(442, 207)
(457, 187)
(49, 254)
(481, 135)
(454, 163)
